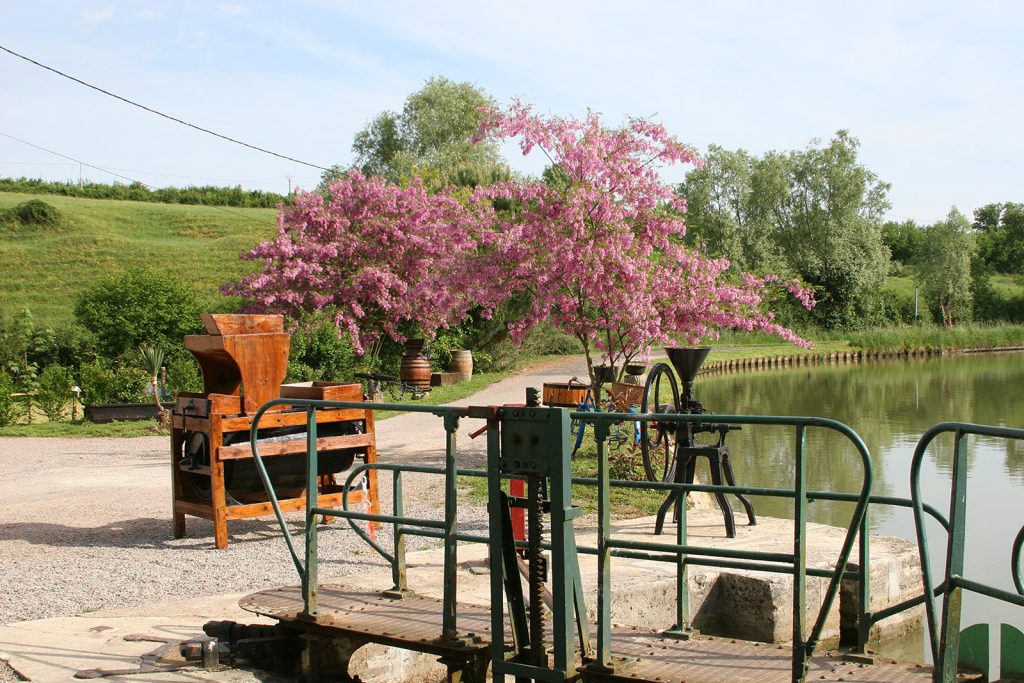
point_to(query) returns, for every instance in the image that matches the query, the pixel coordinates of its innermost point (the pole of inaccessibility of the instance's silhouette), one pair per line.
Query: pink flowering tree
(378, 254)
(599, 244)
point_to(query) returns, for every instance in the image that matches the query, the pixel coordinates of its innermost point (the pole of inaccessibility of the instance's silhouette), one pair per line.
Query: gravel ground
(7, 674)
(85, 524)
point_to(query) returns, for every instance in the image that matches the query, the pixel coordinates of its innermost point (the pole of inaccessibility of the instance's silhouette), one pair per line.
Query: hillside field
(45, 269)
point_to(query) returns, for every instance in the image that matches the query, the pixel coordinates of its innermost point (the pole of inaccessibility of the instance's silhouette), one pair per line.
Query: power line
(124, 177)
(159, 113)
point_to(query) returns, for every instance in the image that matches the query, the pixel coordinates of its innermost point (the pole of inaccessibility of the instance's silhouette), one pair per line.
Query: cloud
(232, 8)
(92, 19)
(149, 14)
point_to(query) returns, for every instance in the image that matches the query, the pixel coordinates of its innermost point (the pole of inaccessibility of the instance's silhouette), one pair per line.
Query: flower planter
(102, 413)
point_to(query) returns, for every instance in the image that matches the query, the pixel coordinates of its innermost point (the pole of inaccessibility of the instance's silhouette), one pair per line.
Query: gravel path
(85, 524)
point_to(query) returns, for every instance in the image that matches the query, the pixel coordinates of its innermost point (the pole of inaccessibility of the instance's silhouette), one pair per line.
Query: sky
(934, 91)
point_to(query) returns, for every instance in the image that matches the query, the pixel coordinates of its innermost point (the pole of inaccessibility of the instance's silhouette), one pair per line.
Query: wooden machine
(244, 359)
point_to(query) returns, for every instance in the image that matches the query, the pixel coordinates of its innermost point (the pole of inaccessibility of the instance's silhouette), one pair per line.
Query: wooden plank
(297, 445)
(197, 469)
(293, 418)
(323, 391)
(248, 323)
(194, 509)
(287, 505)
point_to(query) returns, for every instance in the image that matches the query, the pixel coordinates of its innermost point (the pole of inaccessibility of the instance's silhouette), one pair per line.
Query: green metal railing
(447, 528)
(680, 553)
(944, 633)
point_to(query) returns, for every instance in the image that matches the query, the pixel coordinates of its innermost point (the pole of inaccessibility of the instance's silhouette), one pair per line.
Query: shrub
(54, 392)
(38, 212)
(183, 374)
(33, 213)
(318, 353)
(135, 308)
(101, 383)
(10, 409)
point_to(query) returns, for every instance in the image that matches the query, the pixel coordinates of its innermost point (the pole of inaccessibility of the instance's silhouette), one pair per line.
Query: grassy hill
(45, 268)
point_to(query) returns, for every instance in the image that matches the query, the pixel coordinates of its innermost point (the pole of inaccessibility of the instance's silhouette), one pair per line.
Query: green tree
(431, 138)
(54, 393)
(825, 209)
(1000, 230)
(813, 213)
(944, 265)
(720, 217)
(10, 409)
(903, 239)
(136, 308)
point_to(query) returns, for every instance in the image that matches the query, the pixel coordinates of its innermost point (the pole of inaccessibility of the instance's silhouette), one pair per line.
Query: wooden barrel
(415, 371)
(462, 364)
(563, 394)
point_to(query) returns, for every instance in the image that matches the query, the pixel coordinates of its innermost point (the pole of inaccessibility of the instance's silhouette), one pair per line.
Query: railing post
(448, 624)
(310, 579)
(399, 575)
(949, 644)
(864, 587)
(800, 653)
(604, 556)
(496, 547)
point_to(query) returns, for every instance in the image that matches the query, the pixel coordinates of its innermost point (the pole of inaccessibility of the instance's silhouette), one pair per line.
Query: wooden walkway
(414, 623)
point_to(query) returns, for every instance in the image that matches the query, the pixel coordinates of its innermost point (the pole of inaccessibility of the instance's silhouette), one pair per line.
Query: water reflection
(890, 404)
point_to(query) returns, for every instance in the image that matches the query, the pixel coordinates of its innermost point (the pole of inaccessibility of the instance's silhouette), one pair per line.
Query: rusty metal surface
(641, 657)
(414, 622)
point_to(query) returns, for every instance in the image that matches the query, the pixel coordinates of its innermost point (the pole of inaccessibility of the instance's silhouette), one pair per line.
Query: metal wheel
(657, 440)
(395, 391)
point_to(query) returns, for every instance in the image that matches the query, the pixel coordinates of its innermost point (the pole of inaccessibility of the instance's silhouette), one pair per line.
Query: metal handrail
(944, 633)
(802, 646)
(307, 570)
(680, 552)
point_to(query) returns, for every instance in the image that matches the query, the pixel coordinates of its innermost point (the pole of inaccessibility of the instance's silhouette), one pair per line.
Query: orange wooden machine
(244, 358)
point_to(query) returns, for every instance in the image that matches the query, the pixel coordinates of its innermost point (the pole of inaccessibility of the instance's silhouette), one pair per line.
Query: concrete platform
(730, 603)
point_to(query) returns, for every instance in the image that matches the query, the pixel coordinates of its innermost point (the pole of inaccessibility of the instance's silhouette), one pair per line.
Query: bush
(137, 308)
(54, 392)
(183, 374)
(101, 383)
(10, 409)
(318, 353)
(34, 213)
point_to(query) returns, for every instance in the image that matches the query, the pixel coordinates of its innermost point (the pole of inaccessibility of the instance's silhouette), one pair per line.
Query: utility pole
(289, 184)
(80, 183)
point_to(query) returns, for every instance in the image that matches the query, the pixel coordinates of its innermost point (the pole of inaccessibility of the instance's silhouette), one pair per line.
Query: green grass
(83, 428)
(1008, 286)
(45, 269)
(902, 286)
(931, 337)
(441, 395)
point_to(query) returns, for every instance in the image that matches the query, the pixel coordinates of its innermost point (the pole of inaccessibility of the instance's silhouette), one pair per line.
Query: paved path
(419, 437)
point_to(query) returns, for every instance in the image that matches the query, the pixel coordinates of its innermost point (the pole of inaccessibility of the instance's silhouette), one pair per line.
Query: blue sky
(933, 90)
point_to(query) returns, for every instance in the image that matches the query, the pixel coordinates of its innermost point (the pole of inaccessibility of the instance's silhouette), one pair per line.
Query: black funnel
(687, 361)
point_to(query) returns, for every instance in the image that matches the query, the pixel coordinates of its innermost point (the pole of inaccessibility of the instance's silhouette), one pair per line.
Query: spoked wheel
(657, 440)
(396, 392)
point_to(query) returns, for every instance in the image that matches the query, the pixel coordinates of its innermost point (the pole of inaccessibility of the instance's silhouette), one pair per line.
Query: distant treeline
(205, 195)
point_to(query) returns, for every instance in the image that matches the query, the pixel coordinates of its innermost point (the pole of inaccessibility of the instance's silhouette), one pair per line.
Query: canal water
(890, 404)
